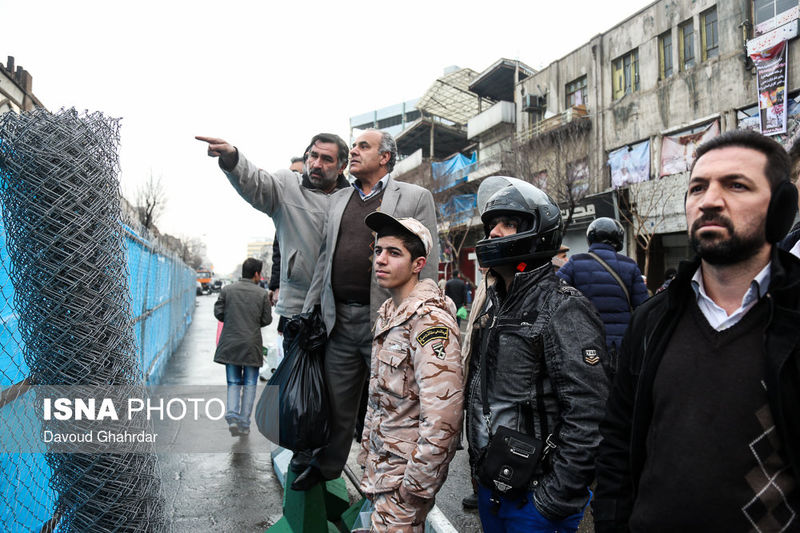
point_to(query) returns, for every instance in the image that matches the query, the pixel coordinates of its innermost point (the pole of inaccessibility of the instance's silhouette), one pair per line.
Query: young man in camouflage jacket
(414, 411)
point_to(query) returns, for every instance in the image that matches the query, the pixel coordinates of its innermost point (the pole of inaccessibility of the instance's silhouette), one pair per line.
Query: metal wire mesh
(60, 202)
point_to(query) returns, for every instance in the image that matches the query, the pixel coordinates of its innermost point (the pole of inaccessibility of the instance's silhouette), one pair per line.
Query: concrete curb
(437, 522)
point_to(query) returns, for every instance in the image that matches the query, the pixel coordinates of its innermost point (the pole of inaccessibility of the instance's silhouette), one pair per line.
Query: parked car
(199, 288)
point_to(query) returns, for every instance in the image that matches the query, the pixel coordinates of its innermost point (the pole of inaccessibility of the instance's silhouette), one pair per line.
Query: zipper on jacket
(477, 377)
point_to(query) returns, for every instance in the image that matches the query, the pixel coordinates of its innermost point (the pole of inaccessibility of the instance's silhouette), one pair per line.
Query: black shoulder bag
(507, 464)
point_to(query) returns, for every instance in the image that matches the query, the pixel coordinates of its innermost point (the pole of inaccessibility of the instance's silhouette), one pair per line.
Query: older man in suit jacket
(346, 289)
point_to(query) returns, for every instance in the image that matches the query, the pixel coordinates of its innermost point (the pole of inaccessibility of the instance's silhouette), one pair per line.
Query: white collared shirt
(717, 317)
(375, 190)
(795, 251)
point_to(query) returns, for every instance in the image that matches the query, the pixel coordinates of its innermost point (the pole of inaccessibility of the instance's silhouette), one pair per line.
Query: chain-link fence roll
(61, 209)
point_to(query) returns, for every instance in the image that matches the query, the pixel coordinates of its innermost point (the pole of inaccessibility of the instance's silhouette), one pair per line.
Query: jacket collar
(785, 276)
(522, 282)
(425, 292)
(602, 246)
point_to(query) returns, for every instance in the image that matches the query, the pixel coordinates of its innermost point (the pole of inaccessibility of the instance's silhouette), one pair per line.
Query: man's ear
(385, 157)
(418, 264)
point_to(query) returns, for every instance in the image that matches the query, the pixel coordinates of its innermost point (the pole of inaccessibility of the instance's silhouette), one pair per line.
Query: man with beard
(297, 202)
(702, 431)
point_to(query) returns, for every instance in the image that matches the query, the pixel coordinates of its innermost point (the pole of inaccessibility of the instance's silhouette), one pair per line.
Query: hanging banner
(630, 164)
(677, 151)
(753, 122)
(771, 66)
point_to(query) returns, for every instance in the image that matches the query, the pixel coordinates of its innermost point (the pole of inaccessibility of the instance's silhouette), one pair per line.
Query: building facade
(611, 128)
(644, 94)
(16, 89)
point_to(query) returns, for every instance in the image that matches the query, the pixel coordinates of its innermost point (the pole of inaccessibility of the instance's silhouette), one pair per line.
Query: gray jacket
(543, 330)
(400, 199)
(244, 309)
(298, 212)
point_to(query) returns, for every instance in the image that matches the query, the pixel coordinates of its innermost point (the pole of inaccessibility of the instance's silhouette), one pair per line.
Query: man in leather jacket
(540, 343)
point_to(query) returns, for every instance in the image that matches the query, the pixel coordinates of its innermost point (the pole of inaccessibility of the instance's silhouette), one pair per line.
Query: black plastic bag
(293, 409)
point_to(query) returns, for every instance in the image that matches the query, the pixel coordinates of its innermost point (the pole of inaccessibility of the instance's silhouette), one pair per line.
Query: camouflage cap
(377, 221)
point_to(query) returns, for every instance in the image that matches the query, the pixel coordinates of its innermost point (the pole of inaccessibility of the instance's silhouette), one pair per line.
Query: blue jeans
(512, 518)
(242, 381)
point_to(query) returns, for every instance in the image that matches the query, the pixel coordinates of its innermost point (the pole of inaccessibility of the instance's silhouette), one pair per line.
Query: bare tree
(556, 161)
(151, 199)
(645, 206)
(454, 219)
(193, 252)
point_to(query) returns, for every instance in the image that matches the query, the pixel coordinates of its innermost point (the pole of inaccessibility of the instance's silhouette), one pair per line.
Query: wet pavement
(234, 491)
(237, 491)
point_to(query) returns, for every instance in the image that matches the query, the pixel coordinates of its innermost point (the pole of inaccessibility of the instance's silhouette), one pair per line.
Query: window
(538, 112)
(686, 44)
(576, 92)
(665, 55)
(625, 74)
(764, 10)
(709, 38)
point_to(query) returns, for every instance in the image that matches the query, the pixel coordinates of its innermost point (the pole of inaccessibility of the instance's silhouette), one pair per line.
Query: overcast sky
(263, 75)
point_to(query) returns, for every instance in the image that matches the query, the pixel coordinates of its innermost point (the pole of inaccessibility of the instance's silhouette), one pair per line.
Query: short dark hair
(298, 159)
(343, 151)
(250, 266)
(412, 243)
(778, 166)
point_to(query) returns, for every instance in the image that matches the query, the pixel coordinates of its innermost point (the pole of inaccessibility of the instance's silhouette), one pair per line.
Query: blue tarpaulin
(451, 171)
(459, 209)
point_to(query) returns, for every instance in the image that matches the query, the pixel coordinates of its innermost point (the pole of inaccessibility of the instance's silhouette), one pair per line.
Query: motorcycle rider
(546, 381)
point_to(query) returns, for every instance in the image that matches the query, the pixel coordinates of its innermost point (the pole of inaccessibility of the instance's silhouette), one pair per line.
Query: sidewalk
(226, 492)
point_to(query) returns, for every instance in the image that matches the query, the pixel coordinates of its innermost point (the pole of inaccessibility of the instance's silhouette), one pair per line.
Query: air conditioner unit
(533, 102)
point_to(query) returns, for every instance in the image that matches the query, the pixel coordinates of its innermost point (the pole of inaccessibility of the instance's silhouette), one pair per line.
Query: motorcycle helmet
(607, 231)
(539, 231)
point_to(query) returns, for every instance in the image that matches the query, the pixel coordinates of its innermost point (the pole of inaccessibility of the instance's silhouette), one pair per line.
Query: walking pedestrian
(243, 307)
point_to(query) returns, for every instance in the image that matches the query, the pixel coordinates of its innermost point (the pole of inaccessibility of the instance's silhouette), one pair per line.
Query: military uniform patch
(438, 349)
(590, 356)
(436, 332)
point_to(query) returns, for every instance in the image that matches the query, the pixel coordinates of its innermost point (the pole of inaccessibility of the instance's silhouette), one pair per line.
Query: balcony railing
(577, 112)
(500, 113)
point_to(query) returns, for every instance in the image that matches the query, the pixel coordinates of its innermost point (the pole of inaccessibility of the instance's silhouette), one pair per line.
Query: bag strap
(615, 276)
